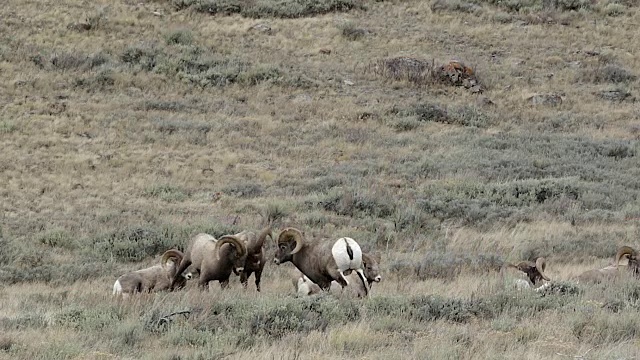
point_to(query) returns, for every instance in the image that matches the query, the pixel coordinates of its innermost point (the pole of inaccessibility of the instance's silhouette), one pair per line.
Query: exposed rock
(263, 28)
(476, 89)
(616, 95)
(301, 98)
(544, 99)
(458, 74)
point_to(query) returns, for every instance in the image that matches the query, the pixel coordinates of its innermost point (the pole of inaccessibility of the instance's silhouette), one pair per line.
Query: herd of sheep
(323, 265)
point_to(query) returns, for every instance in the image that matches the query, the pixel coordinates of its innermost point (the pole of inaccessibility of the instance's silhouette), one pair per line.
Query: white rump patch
(117, 288)
(340, 252)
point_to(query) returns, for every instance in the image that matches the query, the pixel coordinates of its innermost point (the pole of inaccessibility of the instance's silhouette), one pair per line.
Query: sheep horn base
(231, 239)
(291, 234)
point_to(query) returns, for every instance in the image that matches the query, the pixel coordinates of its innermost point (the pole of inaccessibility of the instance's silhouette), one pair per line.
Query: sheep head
(628, 252)
(632, 257)
(177, 257)
(238, 251)
(171, 268)
(371, 267)
(288, 243)
(535, 271)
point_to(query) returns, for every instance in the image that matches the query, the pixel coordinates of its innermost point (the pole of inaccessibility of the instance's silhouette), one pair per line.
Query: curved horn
(173, 253)
(625, 250)
(541, 264)
(263, 235)
(289, 234)
(235, 241)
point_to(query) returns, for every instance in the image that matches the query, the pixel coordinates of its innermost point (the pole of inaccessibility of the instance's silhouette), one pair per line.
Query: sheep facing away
(255, 261)
(323, 261)
(213, 259)
(154, 278)
(613, 271)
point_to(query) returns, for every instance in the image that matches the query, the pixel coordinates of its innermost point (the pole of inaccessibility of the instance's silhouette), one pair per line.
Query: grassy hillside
(127, 127)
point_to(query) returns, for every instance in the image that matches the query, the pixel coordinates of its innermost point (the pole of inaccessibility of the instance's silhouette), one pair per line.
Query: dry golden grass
(154, 124)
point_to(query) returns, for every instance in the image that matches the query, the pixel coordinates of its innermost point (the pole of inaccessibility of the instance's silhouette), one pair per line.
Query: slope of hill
(128, 126)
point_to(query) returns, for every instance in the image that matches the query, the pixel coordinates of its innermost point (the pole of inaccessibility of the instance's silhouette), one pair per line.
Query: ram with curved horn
(614, 270)
(155, 278)
(230, 253)
(322, 261)
(255, 261)
(214, 259)
(527, 274)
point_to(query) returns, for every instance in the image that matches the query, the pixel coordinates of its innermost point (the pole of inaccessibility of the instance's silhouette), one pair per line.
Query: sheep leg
(258, 277)
(224, 284)
(244, 278)
(339, 277)
(203, 284)
(364, 281)
(345, 279)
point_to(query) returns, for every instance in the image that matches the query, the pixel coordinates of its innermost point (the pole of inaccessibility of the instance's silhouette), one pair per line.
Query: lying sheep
(616, 269)
(303, 286)
(322, 262)
(213, 259)
(527, 274)
(155, 278)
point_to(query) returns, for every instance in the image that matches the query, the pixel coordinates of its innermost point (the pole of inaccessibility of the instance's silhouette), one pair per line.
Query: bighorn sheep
(304, 286)
(371, 273)
(213, 259)
(155, 278)
(322, 262)
(612, 271)
(255, 255)
(534, 272)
